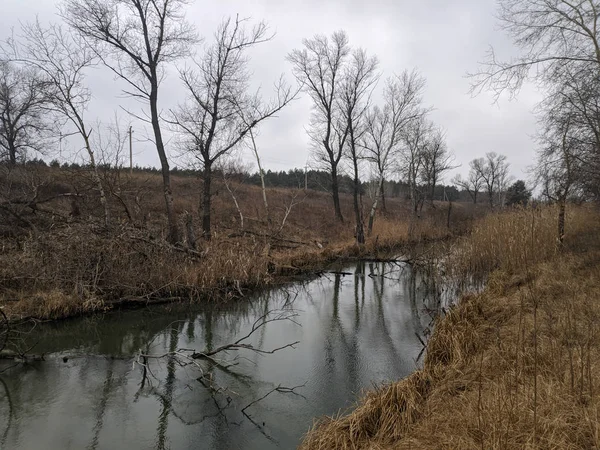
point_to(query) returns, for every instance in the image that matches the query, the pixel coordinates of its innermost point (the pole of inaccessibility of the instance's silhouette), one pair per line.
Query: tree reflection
(167, 396)
(101, 410)
(357, 329)
(9, 415)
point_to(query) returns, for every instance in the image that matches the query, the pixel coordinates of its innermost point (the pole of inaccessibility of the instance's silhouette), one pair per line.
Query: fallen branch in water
(279, 388)
(259, 323)
(185, 357)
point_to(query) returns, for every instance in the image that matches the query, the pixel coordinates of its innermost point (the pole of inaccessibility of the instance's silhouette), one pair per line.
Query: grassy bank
(58, 260)
(513, 367)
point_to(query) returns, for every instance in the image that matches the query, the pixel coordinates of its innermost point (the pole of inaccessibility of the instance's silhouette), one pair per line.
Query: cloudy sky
(442, 39)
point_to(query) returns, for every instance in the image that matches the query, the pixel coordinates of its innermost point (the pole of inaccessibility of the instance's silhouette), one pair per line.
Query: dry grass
(63, 265)
(513, 367)
(511, 239)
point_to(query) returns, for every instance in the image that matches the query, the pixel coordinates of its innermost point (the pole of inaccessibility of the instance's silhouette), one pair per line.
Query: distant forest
(318, 180)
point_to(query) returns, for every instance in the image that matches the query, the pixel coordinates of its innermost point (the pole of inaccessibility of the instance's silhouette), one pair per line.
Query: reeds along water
(515, 366)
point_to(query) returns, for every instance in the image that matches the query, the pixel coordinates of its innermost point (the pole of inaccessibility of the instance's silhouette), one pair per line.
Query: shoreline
(511, 367)
(290, 268)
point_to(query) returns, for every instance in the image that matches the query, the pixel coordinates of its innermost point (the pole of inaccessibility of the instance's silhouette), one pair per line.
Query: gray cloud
(442, 39)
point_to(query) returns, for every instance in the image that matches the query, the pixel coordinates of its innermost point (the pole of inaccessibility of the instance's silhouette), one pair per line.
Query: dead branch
(279, 388)
(259, 323)
(177, 248)
(268, 236)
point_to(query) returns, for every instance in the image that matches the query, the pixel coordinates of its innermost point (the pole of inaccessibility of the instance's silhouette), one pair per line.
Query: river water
(355, 329)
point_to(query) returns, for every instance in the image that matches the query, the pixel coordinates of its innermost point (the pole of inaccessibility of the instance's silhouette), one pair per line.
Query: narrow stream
(356, 329)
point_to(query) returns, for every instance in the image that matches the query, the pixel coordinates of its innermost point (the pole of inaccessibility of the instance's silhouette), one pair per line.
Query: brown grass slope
(57, 260)
(517, 366)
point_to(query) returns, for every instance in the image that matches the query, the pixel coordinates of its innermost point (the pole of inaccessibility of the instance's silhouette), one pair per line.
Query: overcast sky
(442, 39)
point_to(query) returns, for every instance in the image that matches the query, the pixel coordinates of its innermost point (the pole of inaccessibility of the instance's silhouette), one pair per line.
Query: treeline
(44, 97)
(318, 180)
(461, 189)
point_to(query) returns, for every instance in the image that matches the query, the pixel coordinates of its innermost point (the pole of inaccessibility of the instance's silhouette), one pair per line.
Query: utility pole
(130, 150)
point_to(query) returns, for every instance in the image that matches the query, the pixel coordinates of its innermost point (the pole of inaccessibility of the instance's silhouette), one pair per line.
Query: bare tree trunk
(360, 232)
(237, 205)
(335, 192)
(173, 236)
(382, 193)
(206, 197)
(262, 180)
(12, 154)
(379, 191)
(415, 209)
(372, 217)
(264, 195)
(561, 220)
(97, 179)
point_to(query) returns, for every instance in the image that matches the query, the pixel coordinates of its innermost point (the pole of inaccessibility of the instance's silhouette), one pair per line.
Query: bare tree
(551, 34)
(384, 127)
(360, 77)
(23, 96)
(261, 174)
(137, 38)
(557, 168)
(62, 58)
(437, 160)
(474, 182)
(568, 153)
(220, 111)
(110, 141)
(493, 171)
(575, 99)
(561, 51)
(232, 168)
(411, 160)
(319, 67)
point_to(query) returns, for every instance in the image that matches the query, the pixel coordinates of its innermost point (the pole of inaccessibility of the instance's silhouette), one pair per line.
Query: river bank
(79, 268)
(512, 367)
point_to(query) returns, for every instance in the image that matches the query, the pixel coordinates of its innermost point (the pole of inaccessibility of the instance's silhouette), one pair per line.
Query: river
(355, 329)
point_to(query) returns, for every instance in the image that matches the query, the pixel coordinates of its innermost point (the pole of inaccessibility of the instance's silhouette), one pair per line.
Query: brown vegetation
(58, 259)
(515, 366)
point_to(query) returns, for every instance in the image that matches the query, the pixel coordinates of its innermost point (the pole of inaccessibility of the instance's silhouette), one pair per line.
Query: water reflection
(359, 326)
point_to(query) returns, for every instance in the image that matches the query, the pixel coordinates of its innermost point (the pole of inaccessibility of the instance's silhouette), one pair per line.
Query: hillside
(58, 259)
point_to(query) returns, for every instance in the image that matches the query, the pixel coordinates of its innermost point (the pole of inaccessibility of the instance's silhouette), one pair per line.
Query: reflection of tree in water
(167, 395)
(341, 349)
(106, 391)
(215, 401)
(361, 319)
(9, 414)
(381, 326)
